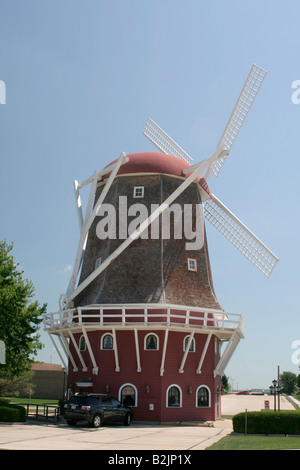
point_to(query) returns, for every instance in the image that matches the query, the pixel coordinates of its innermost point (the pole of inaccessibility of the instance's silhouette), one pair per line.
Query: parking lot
(41, 436)
(34, 435)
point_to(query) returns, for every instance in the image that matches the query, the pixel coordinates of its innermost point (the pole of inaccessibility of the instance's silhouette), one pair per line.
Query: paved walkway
(233, 404)
(41, 436)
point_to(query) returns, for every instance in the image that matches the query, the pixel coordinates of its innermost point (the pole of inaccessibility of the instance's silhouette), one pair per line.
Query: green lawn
(255, 442)
(32, 401)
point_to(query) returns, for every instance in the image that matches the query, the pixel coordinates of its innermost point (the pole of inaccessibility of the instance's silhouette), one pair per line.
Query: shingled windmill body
(140, 319)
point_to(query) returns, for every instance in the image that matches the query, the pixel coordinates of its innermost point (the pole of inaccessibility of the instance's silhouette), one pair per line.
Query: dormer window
(138, 191)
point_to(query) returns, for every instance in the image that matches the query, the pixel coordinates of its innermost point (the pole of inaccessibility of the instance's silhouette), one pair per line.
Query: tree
(224, 383)
(20, 316)
(18, 385)
(288, 382)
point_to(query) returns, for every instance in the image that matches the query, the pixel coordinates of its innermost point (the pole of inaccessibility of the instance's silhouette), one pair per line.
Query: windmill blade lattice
(164, 142)
(239, 113)
(240, 236)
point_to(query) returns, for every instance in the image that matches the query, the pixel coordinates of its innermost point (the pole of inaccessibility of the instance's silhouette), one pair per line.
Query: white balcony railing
(143, 315)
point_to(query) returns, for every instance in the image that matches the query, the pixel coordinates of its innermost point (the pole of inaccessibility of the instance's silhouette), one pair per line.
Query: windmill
(214, 210)
(154, 314)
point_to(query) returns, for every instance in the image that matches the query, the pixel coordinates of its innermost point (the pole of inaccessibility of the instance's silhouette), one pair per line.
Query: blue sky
(82, 78)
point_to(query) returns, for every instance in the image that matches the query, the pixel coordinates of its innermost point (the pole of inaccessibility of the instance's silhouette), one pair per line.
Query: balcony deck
(143, 316)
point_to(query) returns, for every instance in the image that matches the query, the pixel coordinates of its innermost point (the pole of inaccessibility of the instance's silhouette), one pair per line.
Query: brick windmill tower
(140, 319)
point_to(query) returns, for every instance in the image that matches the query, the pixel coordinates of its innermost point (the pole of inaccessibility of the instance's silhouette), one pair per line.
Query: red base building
(140, 319)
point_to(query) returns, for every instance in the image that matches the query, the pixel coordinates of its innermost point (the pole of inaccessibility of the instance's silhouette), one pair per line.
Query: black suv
(96, 409)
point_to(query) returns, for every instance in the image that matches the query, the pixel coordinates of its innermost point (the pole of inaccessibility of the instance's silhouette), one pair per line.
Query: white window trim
(189, 266)
(82, 336)
(135, 390)
(101, 342)
(193, 343)
(135, 189)
(145, 342)
(180, 396)
(209, 396)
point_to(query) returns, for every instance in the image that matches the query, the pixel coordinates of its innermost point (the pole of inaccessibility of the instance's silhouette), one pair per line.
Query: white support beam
(84, 367)
(87, 342)
(198, 371)
(122, 159)
(91, 197)
(144, 225)
(137, 349)
(163, 357)
(65, 345)
(187, 348)
(221, 152)
(58, 352)
(78, 204)
(117, 365)
(226, 356)
(86, 182)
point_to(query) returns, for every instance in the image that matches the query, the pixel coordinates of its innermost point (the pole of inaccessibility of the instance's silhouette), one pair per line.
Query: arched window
(107, 341)
(82, 344)
(151, 341)
(203, 396)
(185, 343)
(128, 395)
(174, 396)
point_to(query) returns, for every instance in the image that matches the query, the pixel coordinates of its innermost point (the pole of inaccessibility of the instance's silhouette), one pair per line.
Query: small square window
(138, 191)
(192, 264)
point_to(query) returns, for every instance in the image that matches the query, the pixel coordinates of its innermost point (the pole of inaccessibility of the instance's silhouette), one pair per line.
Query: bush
(4, 401)
(12, 413)
(268, 422)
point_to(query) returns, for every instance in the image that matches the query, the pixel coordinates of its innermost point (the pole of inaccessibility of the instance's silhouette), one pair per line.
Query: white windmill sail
(214, 210)
(239, 114)
(164, 142)
(240, 236)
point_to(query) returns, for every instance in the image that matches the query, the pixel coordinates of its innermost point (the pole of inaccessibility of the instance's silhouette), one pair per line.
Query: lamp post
(275, 389)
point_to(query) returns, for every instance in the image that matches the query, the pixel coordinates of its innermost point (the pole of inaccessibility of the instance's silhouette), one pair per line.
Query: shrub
(4, 401)
(12, 413)
(268, 422)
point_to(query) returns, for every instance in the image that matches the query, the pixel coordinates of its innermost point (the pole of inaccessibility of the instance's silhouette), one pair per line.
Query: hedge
(268, 422)
(12, 413)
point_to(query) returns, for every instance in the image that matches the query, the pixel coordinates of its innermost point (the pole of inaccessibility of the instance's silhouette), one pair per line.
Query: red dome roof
(156, 162)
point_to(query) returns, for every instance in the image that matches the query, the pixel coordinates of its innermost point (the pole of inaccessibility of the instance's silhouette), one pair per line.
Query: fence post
(246, 422)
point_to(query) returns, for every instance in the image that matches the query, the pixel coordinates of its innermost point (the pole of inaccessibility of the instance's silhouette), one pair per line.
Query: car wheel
(127, 419)
(97, 421)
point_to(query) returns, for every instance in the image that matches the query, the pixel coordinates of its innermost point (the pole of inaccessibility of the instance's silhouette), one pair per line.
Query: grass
(31, 401)
(31, 405)
(255, 442)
